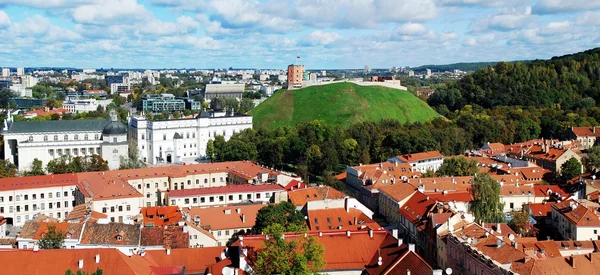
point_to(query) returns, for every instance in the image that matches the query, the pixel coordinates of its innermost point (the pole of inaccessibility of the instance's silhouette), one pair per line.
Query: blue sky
(271, 33)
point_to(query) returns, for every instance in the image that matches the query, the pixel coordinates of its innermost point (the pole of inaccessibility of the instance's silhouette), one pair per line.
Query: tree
(210, 150)
(176, 114)
(54, 116)
(187, 112)
(521, 224)
(53, 239)
(36, 168)
(7, 169)
(570, 169)
(79, 272)
(287, 256)
(458, 166)
(246, 105)
(486, 205)
(132, 161)
(5, 96)
(67, 164)
(283, 213)
(593, 156)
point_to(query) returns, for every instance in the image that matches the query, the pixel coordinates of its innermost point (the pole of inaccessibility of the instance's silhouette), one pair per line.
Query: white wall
(111, 208)
(61, 204)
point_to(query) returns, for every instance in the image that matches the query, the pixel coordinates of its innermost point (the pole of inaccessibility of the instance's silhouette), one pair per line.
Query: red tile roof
(226, 217)
(81, 212)
(19, 183)
(396, 260)
(195, 260)
(586, 131)
(237, 188)
(420, 156)
(161, 215)
(398, 192)
(165, 236)
(300, 197)
(578, 214)
(541, 209)
(103, 187)
(334, 219)
(295, 184)
(494, 148)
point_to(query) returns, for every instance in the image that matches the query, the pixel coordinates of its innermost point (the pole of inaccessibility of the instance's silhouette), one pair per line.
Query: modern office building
(110, 79)
(162, 102)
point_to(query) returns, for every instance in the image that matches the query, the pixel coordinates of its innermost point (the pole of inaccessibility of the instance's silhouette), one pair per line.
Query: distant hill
(340, 104)
(467, 67)
(569, 81)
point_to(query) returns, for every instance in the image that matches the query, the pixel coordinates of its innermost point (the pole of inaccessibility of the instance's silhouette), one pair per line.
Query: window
(195, 200)
(205, 180)
(164, 136)
(10, 209)
(9, 198)
(55, 137)
(33, 196)
(96, 137)
(220, 198)
(30, 138)
(156, 185)
(120, 208)
(66, 193)
(49, 205)
(58, 194)
(25, 197)
(595, 232)
(76, 137)
(230, 197)
(86, 137)
(103, 209)
(112, 209)
(1, 209)
(189, 182)
(257, 195)
(49, 195)
(143, 136)
(221, 179)
(58, 215)
(139, 186)
(226, 232)
(66, 137)
(249, 196)
(512, 205)
(240, 197)
(213, 180)
(66, 203)
(197, 181)
(172, 202)
(219, 233)
(115, 151)
(42, 195)
(114, 140)
(18, 208)
(58, 205)
(147, 185)
(211, 199)
(45, 138)
(202, 200)
(148, 195)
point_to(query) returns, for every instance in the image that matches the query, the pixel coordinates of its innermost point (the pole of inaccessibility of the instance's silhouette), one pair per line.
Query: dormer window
(119, 238)
(68, 235)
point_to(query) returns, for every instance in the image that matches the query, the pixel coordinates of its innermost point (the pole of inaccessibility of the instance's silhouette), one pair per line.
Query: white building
(46, 140)
(219, 196)
(84, 105)
(181, 140)
(576, 220)
(421, 162)
(23, 198)
(22, 90)
(5, 72)
(111, 196)
(20, 71)
(119, 87)
(29, 81)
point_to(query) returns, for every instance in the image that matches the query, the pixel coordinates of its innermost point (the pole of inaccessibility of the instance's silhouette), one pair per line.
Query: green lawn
(340, 104)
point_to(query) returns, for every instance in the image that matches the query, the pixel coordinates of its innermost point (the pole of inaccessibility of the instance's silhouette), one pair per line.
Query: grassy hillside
(340, 104)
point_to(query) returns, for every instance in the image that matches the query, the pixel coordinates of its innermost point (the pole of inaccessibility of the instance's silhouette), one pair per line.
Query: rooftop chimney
(355, 220)
(400, 242)
(168, 251)
(97, 258)
(371, 233)
(243, 218)
(572, 261)
(407, 271)
(238, 210)
(498, 228)
(80, 264)
(347, 204)
(499, 243)
(395, 233)
(36, 248)
(411, 247)
(348, 233)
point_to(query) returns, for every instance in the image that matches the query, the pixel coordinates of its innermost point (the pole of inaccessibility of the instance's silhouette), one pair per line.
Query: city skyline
(270, 34)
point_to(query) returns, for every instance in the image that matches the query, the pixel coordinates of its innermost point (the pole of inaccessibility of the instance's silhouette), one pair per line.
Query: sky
(326, 34)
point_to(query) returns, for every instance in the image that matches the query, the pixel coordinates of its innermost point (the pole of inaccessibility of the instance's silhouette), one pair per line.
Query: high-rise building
(428, 72)
(20, 71)
(367, 69)
(411, 73)
(5, 72)
(295, 75)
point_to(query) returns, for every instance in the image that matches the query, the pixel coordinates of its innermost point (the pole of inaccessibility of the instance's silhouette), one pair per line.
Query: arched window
(76, 137)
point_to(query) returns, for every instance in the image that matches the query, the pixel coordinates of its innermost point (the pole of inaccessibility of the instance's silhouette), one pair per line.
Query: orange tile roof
(373, 175)
(504, 254)
(396, 260)
(338, 257)
(586, 131)
(443, 183)
(578, 214)
(398, 192)
(594, 196)
(36, 230)
(295, 184)
(80, 213)
(494, 148)
(165, 236)
(57, 261)
(161, 215)
(19, 183)
(541, 209)
(416, 208)
(420, 156)
(300, 197)
(342, 176)
(226, 217)
(583, 264)
(552, 153)
(505, 230)
(338, 219)
(195, 260)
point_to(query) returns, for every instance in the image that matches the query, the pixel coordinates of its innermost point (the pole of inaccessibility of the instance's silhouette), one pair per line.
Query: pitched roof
(551, 154)
(226, 217)
(57, 126)
(295, 184)
(398, 192)
(586, 131)
(167, 236)
(161, 215)
(342, 253)
(397, 260)
(443, 183)
(31, 182)
(36, 230)
(420, 156)
(195, 260)
(81, 212)
(541, 209)
(108, 234)
(578, 214)
(300, 197)
(494, 148)
(57, 261)
(338, 219)
(237, 188)
(374, 175)
(102, 187)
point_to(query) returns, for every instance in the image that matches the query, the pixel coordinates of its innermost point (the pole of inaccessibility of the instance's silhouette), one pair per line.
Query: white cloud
(511, 19)
(319, 37)
(411, 29)
(109, 12)
(47, 4)
(4, 19)
(560, 6)
(470, 42)
(476, 3)
(42, 28)
(589, 18)
(556, 27)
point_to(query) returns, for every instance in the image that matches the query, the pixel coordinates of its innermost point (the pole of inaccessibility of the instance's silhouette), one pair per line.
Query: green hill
(340, 104)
